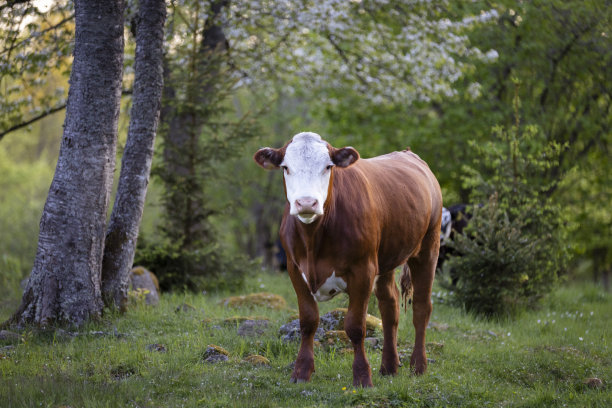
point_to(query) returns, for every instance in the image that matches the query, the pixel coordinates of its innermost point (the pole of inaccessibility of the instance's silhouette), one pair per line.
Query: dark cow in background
(348, 224)
(454, 219)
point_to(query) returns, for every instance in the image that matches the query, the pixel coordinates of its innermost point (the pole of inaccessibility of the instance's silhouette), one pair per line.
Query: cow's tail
(406, 285)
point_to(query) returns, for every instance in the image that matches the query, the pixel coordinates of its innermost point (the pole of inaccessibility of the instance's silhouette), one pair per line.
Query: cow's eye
(329, 167)
(285, 169)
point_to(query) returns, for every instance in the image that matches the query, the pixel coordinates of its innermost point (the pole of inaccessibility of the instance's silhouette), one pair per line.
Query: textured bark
(122, 232)
(64, 286)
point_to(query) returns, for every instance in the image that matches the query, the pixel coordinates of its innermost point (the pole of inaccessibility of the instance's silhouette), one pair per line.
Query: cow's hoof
(384, 370)
(365, 382)
(418, 364)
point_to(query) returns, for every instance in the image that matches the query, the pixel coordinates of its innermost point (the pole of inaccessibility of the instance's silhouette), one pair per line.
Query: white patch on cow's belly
(332, 286)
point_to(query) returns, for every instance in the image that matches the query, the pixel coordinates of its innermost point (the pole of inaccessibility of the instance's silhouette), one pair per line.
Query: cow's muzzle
(307, 209)
(307, 205)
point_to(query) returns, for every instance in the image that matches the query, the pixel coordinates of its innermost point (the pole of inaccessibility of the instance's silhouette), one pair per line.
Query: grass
(540, 359)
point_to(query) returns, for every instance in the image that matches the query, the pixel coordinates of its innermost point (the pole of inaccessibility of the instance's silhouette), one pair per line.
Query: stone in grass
(156, 347)
(291, 331)
(333, 320)
(337, 338)
(372, 342)
(263, 299)
(437, 326)
(594, 383)
(145, 281)
(257, 360)
(373, 323)
(185, 307)
(252, 328)
(234, 321)
(215, 354)
(6, 335)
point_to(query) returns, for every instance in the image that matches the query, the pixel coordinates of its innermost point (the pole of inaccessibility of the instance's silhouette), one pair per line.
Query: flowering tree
(390, 51)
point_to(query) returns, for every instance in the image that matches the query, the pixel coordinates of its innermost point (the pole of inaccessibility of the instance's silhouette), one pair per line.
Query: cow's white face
(307, 163)
(307, 169)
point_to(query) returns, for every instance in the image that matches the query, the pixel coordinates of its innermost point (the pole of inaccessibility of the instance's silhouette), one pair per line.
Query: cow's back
(398, 194)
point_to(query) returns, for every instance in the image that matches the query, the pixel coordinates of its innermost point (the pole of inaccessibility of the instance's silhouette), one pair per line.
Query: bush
(500, 267)
(516, 244)
(206, 269)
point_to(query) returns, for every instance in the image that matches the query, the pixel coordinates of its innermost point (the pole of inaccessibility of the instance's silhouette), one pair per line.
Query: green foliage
(35, 58)
(207, 268)
(24, 185)
(500, 270)
(11, 273)
(516, 245)
(201, 133)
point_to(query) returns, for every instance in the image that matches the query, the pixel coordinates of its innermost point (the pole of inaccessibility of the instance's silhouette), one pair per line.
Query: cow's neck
(311, 236)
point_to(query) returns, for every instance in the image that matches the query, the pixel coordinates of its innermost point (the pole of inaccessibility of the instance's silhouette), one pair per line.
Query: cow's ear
(268, 158)
(344, 157)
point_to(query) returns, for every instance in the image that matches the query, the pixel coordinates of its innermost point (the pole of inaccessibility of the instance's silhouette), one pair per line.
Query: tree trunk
(64, 286)
(185, 206)
(125, 220)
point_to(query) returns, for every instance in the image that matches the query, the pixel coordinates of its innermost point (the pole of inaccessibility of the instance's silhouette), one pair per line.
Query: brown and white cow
(348, 224)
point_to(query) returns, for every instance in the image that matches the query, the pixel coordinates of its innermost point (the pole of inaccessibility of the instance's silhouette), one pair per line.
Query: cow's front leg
(355, 327)
(388, 304)
(309, 321)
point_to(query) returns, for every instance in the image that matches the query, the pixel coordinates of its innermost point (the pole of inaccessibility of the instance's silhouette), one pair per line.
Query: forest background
(452, 80)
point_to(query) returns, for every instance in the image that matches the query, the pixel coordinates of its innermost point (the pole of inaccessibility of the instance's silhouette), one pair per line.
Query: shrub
(516, 244)
(196, 270)
(500, 266)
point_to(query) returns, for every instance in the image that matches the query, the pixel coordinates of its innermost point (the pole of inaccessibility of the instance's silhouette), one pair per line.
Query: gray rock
(215, 354)
(156, 347)
(141, 278)
(9, 336)
(251, 328)
(216, 358)
(371, 341)
(291, 331)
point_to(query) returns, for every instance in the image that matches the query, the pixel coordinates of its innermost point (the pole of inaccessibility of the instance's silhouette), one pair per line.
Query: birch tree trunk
(64, 286)
(125, 219)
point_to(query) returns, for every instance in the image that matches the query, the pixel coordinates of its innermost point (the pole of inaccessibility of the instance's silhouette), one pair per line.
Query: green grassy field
(542, 359)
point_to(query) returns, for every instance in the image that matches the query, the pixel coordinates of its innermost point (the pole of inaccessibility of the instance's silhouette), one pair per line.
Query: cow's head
(307, 162)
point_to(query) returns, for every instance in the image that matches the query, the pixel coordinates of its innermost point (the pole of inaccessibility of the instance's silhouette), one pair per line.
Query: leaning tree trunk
(136, 163)
(64, 286)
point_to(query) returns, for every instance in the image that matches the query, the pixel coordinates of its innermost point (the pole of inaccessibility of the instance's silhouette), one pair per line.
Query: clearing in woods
(558, 355)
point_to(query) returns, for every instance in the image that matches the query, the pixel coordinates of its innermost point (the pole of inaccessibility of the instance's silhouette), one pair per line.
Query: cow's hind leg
(422, 272)
(388, 304)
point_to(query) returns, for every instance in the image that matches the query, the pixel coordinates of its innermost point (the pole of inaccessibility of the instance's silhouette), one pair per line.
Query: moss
(257, 360)
(373, 323)
(214, 349)
(337, 337)
(234, 320)
(138, 270)
(264, 299)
